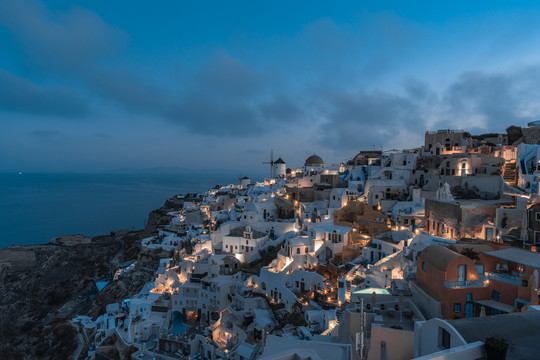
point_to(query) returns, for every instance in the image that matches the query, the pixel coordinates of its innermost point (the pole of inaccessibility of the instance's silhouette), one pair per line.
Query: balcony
(507, 278)
(464, 284)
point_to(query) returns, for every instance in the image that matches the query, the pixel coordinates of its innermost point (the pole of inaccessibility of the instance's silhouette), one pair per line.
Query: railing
(464, 284)
(506, 278)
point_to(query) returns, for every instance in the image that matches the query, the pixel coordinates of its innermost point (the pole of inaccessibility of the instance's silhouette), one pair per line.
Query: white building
(242, 240)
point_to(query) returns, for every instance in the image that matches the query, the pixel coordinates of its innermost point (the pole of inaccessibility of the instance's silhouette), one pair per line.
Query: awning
(496, 305)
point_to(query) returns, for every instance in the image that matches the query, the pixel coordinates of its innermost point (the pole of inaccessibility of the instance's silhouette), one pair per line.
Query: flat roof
(331, 228)
(520, 330)
(496, 305)
(518, 256)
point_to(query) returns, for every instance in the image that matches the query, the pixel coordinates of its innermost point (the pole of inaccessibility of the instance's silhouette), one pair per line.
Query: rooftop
(520, 330)
(438, 256)
(334, 228)
(314, 160)
(517, 256)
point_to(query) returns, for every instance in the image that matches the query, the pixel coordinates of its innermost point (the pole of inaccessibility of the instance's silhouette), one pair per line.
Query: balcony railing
(507, 278)
(464, 284)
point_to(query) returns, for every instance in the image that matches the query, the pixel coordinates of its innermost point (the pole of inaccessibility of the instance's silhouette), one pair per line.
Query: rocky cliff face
(43, 286)
(39, 296)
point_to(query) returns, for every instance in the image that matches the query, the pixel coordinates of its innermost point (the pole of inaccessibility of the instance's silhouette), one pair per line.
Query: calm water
(34, 208)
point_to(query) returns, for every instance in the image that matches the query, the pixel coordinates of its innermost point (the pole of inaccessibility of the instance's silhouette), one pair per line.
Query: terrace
(507, 278)
(464, 284)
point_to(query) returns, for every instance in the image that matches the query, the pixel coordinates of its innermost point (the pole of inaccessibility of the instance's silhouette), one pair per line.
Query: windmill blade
(271, 163)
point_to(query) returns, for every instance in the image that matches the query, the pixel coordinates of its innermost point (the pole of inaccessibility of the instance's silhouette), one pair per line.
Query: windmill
(271, 162)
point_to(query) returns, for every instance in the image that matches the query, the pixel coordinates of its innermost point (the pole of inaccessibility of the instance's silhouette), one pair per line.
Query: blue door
(489, 234)
(469, 312)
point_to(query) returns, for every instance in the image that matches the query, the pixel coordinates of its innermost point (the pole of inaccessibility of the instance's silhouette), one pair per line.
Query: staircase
(509, 173)
(258, 348)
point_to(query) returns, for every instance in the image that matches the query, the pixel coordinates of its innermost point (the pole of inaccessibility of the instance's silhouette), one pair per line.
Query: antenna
(271, 162)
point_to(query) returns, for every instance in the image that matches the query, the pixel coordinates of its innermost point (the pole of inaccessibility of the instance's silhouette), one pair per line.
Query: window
(496, 295)
(424, 266)
(457, 307)
(538, 216)
(298, 250)
(444, 338)
(468, 297)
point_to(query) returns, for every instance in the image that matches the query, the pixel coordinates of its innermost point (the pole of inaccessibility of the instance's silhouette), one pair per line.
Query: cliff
(43, 286)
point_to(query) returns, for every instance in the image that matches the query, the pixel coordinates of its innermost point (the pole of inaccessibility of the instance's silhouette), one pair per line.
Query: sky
(98, 86)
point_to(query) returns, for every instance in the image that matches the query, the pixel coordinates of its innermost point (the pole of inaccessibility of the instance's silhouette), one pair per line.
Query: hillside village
(425, 253)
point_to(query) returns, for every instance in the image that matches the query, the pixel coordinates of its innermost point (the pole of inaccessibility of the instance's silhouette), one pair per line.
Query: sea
(36, 207)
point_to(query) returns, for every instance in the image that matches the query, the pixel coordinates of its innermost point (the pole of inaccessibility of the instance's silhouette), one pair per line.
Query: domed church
(313, 164)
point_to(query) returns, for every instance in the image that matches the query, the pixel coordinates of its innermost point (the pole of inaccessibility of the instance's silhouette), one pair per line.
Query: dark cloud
(123, 87)
(17, 94)
(64, 41)
(493, 100)
(202, 114)
(475, 101)
(228, 97)
(282, 109)
(360, 120)
(227, 78)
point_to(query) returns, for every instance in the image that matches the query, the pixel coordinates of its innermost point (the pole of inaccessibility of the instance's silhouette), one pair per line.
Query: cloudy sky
(98, 86)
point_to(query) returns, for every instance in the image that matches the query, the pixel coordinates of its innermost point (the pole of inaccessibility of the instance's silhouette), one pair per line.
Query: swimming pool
(178, 327)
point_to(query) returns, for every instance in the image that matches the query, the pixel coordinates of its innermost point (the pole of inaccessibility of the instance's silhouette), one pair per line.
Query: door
(462, 273)
(469, 310)
(489, 234)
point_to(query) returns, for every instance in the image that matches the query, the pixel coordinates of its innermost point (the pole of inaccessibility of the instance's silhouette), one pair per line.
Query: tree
(514, 133)
(470, 253)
